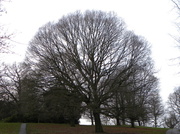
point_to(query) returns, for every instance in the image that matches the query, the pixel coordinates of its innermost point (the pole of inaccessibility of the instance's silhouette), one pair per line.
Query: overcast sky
(153, 19)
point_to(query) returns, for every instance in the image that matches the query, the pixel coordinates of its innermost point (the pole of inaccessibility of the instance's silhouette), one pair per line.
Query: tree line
(85, 63)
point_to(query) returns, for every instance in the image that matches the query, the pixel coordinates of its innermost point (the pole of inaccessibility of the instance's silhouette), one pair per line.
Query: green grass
(44, 128)
(137, 130)
(9, 128)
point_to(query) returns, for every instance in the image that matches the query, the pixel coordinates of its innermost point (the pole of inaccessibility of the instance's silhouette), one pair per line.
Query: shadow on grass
(66, 129)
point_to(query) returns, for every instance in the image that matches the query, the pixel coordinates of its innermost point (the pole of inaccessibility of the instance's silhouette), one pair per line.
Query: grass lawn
(66, 129)
(9, 128)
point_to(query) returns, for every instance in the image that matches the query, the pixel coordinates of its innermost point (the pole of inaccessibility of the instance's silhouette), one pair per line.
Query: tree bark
(92, 119)
(123, 121)
(117, 121)
(132, 123)
(72, 122)
(98, 125)
(155, 122)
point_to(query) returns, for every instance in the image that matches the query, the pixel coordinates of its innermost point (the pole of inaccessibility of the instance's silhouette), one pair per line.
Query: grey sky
(153, 19)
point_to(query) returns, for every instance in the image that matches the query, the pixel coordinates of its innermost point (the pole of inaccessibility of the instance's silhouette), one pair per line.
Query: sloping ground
(138, 130)
(65, 129)
(9, 128)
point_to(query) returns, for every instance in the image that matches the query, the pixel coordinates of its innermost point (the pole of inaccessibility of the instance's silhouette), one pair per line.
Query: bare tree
(131, 97)
(4, 37)
(174, 98)
(11, 85)
(174, 101)
(174, 108)
(10, 81)
(85, 52)
(156, 108)
(136, 98)
(171, 120)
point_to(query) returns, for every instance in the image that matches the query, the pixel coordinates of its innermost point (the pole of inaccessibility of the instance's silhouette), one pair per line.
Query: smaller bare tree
(174, 101)
(156, 108)
(174, 108)
(172, 120)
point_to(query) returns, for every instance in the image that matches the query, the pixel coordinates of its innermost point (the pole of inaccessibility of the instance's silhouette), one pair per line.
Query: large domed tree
(88, 53)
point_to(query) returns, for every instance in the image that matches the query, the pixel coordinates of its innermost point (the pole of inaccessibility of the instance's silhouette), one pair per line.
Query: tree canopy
(91, 54)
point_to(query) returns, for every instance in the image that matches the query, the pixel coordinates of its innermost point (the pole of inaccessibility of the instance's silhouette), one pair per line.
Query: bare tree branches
(90, 53)
(177, 4)
(4, 37)
(177, 8)
(173, 114)
(156, 107)
(172, 120)
(174, 101)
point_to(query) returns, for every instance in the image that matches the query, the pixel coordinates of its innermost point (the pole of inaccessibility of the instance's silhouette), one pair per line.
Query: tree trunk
(72, 122)
(155, 122)
(123, 121)
(132, 123)
(92, 119)
(117, 121)
(98, 125)
(123, 116)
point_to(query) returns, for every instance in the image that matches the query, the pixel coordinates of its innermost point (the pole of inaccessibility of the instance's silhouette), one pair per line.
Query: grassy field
(43, 128)
(9, 128)
(65, 129)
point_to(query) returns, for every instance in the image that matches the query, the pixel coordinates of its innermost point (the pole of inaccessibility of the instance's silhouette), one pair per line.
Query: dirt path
(22, 129)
